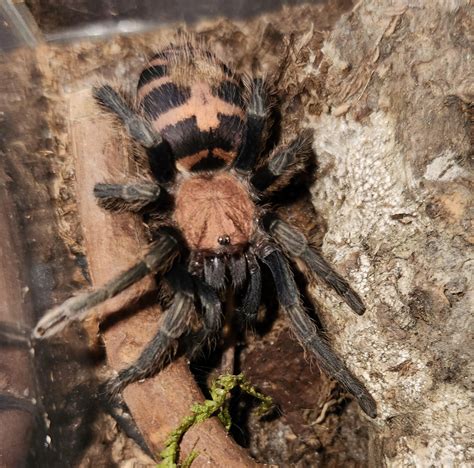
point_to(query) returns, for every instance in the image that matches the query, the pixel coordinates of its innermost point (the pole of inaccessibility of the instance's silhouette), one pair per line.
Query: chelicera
(203, 128)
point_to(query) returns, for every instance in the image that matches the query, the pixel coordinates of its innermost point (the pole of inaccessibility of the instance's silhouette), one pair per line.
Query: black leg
(14, 335)
(157, 260)
(251, 300)
(212, 320)
(307, 332)
(138, 127)
(284, 162)
(214, 272)
(237, 270)
(174, 323)
(11, 402)
(256, 119)
(211, 304)
(295, 243)
(118, 409)
(128, 197)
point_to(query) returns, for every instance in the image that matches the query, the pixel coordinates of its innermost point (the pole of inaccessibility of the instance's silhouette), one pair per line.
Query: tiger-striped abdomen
(196, 105)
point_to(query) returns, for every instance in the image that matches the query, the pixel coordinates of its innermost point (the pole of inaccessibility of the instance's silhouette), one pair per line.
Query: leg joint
(290, 238)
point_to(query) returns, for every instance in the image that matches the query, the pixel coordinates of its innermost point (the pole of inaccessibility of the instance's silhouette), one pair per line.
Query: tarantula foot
(137, 126)
(143, 132)
(367, 404)
(57, 318)
(118, 409)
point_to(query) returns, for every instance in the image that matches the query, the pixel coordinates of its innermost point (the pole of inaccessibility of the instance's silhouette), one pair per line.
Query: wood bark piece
(113, 243)
(16, 374)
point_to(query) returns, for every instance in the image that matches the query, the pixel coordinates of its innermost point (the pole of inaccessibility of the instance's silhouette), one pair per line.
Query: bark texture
(394, 150)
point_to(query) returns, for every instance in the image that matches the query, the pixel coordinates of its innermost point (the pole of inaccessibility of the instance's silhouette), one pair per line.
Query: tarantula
(203, 128)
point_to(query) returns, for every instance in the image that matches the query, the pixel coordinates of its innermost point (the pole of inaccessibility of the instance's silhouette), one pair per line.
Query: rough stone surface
(395, 150)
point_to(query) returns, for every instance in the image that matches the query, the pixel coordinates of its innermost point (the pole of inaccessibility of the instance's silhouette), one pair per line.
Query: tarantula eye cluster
(203, 132)
(223, 240)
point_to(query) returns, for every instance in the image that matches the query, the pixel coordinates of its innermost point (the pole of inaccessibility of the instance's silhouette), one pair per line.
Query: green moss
(217, 405)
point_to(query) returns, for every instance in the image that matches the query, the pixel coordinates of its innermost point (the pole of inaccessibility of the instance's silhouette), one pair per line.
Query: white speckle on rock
(367, 169)
(444, 168)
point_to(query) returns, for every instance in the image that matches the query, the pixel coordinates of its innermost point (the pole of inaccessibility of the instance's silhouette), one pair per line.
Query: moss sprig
(200, 412)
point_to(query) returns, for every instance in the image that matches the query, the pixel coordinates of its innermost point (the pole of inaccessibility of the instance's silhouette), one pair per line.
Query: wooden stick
(16, 373)
(113, 242)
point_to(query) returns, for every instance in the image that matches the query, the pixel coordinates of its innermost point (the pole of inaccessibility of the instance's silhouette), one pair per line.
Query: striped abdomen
(196, 105)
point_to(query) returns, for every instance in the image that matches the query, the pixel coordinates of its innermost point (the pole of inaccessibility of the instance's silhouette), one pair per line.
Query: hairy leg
(138, 127)
(118, 409)
(127, 197)
(157, 260)
(14, 335)
(10, 402)
(173, 324)
(212, 306)
(237, 270)
(295, 243)
(253, 293)
(307, 332)
(256, 120)
(284, 163)
(212, 320)
(214, 272)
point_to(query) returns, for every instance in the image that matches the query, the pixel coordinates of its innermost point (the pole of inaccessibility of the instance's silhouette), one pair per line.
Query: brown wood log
(113, 242)
(16, 374)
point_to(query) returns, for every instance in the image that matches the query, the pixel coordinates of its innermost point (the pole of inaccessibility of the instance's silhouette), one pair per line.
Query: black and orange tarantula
(203, 130)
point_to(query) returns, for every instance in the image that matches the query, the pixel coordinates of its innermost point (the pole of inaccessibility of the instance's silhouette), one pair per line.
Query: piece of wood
(113, 242)
(16, 373)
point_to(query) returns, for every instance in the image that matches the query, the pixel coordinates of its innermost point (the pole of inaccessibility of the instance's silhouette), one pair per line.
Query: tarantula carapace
(203, 129)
